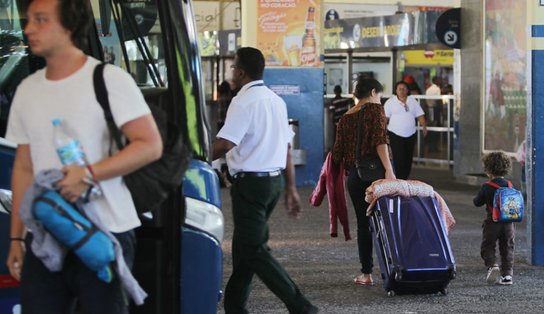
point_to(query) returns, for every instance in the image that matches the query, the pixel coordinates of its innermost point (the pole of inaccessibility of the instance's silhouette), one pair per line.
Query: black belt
(244, 174)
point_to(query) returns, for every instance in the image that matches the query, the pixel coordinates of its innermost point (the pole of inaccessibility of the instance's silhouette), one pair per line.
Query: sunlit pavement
(323, 267)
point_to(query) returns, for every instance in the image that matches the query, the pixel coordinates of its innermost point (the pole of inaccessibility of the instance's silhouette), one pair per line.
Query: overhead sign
(382, 31)
(448, 28)
(433, 57)
(397, 30)
(357, 10)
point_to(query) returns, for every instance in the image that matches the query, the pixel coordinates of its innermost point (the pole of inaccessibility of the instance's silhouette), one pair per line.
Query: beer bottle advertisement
(288, 32)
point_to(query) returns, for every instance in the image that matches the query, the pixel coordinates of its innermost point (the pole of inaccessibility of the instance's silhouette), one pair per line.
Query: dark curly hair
(365, 86)
(497, 164)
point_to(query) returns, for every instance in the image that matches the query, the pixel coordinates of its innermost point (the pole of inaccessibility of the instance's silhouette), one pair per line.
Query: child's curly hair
(497, 164)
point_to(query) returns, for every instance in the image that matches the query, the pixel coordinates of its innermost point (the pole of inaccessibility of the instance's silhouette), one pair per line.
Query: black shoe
(309, 309)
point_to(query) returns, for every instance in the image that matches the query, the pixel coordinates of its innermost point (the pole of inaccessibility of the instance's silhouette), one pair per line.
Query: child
(496, 166)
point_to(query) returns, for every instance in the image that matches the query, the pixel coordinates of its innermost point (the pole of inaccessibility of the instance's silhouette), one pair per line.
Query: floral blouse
(374, 133)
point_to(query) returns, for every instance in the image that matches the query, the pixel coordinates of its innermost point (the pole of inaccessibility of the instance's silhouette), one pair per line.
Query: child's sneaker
(505, 280)
(493, 274)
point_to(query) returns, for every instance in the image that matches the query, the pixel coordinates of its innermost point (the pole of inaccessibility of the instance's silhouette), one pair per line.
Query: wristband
(16, 239)
(89, 178)
(89, 168)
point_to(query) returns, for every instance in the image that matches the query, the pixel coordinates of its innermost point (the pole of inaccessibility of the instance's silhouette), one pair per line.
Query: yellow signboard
(288, 32)
(427, 57)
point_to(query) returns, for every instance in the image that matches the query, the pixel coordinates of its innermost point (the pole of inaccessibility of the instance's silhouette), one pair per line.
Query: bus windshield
(133, 36)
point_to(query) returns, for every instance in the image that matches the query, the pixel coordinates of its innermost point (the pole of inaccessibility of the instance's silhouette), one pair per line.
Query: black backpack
(151, 184)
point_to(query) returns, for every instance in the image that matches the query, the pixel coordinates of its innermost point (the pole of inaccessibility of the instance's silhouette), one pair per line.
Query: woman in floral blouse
(374, 141)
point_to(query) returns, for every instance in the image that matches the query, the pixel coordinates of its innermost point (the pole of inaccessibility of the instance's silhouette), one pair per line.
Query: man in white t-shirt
(255, 139)
(56, 30)
(434, 89)
(433, 104)
(434, 110)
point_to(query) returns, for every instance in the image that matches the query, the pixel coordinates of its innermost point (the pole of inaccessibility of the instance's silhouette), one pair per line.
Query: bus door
(179, 257)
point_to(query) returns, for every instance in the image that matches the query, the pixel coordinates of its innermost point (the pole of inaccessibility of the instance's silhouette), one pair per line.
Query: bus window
(13, 58)
(131, 37)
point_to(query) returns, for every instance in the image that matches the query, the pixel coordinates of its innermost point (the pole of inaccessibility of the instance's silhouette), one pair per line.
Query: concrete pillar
(467, 154)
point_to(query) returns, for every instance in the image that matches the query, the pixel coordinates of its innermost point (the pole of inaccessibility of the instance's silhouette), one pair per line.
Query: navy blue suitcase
(412, 245)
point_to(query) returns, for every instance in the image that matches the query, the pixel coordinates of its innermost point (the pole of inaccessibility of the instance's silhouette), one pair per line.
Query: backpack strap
(495, 185)
(101, 93)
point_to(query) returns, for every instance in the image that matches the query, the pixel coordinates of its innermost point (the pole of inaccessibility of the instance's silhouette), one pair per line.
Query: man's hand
(72, 185)
(15, 259)
(292, 203)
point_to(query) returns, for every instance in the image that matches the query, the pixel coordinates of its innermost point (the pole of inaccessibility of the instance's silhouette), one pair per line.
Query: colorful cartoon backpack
(507, 203)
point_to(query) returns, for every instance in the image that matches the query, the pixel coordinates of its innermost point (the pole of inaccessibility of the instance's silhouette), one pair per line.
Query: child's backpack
(507, 203)
(72, 229)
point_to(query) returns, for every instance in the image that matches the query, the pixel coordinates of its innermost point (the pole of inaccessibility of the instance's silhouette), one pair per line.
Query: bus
(179, 258)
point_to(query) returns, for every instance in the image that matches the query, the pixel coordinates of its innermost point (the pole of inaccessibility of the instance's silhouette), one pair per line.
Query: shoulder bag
(150, 185)
(369, 168)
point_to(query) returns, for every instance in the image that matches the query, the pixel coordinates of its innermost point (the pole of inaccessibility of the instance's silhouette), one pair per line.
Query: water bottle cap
(56, 121)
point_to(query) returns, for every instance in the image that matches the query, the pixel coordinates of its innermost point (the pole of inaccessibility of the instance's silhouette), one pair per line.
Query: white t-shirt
(402, 122)
(72, 99)
(257, 123)
(433, 90)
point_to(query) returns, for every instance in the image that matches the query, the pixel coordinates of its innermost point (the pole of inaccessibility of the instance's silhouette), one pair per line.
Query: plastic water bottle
(70, 151)
(68, 148)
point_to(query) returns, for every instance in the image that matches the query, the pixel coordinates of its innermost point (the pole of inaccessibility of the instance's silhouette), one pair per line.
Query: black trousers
(356, 189)
(47, 292)
(403, 153)
(253, 200)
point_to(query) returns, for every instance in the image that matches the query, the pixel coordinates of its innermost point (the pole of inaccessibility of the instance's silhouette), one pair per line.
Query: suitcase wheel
(443, 291)
(390, 293)
(453, 273)
(396, 274)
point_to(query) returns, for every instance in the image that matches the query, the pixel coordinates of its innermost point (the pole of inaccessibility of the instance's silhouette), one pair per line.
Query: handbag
(369, 168)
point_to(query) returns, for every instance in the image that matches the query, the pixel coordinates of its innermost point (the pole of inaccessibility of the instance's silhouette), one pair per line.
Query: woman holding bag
(362, 136)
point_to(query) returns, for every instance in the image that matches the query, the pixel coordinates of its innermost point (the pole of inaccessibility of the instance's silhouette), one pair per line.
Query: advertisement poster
(505, 97)
(288, 32)
(110, 42)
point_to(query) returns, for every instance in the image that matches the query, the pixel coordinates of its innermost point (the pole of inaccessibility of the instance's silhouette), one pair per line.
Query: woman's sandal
(360, 281)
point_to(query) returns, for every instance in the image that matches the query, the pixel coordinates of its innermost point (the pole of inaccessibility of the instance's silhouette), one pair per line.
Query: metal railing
(437, 146)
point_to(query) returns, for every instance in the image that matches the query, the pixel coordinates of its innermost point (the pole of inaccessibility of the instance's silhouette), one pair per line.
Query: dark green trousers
(253, 200)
